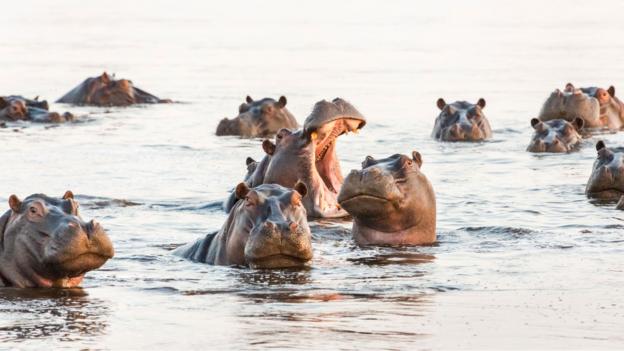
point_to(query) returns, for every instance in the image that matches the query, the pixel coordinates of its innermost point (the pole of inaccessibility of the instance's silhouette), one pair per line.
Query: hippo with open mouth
(260, 118)
(45, 243)
(266, 229)
(108, 91)
(309, 155)
(607, 179)
(557, 135)
(599, 108)
(16, 108)
(461, 121)
(392, 202)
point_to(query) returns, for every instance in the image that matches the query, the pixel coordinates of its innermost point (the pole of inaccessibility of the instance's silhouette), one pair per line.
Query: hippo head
(391, 202)
(45, 243)
(461, 121)
(309, 155)
(105, 90)
(607, 178)
(598, 107)
(260, 118)
(270, 223)
(13, 109)
(557, 135)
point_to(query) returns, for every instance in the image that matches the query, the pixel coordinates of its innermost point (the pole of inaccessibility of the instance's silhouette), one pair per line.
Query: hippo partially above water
(266, 229)
(45, 243)
(105, 90)
(461, 121)
(599, 108)
(260, 118)
(309, 155)
(17, 108)
(392, 202)
(557, 135)
(607, 179)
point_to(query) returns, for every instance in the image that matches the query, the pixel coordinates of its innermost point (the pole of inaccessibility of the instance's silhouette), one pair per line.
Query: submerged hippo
(461, 121)
(392, 202)
(598, 107)
(309, 155)
(266, 229)
(45, 243)
(607, 178)
(557, 135)
(108, 91)
(15, 108)
(260, 118)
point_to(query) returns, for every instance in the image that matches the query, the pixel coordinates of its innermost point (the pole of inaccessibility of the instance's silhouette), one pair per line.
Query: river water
(523, 259)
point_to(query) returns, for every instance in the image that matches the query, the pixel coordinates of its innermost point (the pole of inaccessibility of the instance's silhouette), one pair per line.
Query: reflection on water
(68, 315)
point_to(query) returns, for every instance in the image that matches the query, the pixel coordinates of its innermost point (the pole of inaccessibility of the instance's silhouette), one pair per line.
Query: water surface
(524, 259)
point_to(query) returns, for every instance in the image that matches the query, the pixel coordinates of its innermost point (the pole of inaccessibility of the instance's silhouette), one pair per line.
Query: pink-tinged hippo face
(599, 108)
(557, 135)
(259, 118)
(607, 178)
(391, 202)
(105, 90)
(13, 109)
(45, 243)
(461, 121)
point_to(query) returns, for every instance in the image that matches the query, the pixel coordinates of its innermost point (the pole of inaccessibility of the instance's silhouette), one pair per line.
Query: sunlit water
(523, 259)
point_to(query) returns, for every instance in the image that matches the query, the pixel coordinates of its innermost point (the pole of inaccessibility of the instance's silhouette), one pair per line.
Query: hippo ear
(268, 147)
(249, 161)
(600, 145)
(441, 103)
(481, 102)
(611, 91)
(301, 188)
(281, 102)
(105, 78)
(249, 99)
(68, 195)
(578, 123)
(417, 158)
(569, 88)
(15, 203)
(3, 102)
(535, 122)
(241, 190)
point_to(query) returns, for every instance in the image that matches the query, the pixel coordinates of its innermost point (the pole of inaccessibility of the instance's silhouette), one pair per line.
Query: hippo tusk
(314, 135)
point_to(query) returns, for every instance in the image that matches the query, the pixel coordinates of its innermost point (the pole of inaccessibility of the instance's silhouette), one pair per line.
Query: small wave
(97, 202)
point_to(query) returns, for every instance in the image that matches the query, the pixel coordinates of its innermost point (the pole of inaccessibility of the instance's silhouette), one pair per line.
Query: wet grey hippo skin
(391, 201)
(557, 135)
(607, 178)
(260, 118)
(45, 243)
(108, 91)
(266, 229)
(599, 108)
(461, 121)
(15, 108)
(309, 155)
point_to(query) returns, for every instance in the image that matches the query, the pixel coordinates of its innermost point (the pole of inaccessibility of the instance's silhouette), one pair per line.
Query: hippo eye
(33, 210)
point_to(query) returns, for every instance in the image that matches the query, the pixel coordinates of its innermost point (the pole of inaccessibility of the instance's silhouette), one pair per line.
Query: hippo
(15, 108)
(108, 91)
(260, 118)
(391, 201)
(461, 121)
(309, 155)
(556, 135)
(606, 181)
(45, 243)
(599, 108)
(266, 229)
